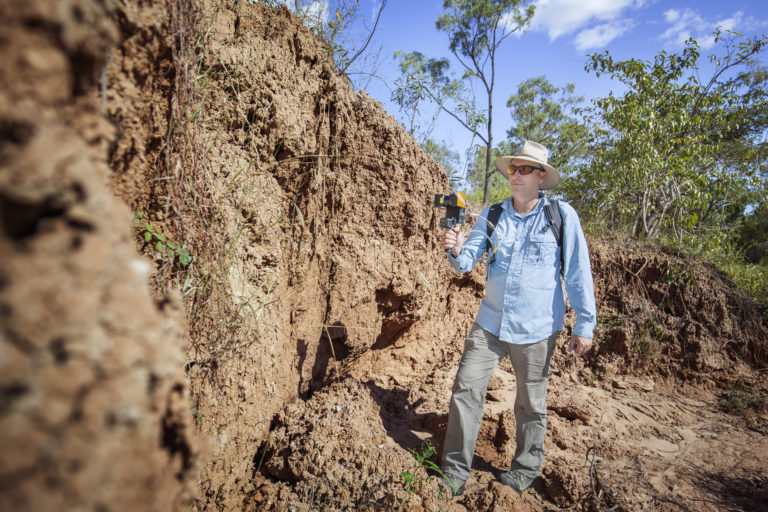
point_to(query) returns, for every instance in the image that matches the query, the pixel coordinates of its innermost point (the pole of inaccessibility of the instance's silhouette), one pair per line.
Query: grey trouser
(482, 353)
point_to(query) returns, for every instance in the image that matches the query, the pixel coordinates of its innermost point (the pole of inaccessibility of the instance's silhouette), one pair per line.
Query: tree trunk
(489, 150)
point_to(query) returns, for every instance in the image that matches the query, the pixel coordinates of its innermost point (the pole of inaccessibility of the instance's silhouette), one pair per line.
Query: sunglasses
(524, 170)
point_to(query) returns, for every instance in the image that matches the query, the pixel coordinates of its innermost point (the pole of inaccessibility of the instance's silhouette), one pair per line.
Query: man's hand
(453, 240)
(580, 344)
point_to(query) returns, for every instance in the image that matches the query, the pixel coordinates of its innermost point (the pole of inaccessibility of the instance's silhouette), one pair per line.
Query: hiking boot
(456, 485)
(516, 480)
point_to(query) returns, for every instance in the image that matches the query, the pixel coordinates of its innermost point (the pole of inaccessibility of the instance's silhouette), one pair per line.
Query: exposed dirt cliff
(311, 342)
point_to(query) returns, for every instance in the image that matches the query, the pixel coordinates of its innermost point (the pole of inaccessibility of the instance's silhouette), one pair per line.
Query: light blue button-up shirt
(524, 301)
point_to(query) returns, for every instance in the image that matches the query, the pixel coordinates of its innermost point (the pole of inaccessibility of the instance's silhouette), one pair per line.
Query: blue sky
(562, 34)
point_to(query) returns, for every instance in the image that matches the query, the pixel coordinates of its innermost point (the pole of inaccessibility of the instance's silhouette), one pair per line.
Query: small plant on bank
(415, 478)
(163, 245)
(676, 276)
(739, 400)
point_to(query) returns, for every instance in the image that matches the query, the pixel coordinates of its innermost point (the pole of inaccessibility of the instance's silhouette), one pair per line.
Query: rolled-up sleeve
(577, 273)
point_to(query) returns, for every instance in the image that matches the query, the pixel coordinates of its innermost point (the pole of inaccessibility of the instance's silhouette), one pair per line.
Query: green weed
(162, 243)
(749, 277)
(610, 318)
(415, 478)
(676, 276)
(650, 338)
(654, 330)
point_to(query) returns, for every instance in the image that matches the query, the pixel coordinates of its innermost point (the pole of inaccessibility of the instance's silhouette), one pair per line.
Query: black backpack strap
(555, 222)
(494, 213)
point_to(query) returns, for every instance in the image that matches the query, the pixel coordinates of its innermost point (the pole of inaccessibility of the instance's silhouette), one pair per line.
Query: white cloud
(593, 23)
(730, 23)
(562, 17)
(600, 35)
(687, 23)
(683, 25)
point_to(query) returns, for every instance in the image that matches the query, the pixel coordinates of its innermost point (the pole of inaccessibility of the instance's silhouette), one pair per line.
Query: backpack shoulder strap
(494, 213)
(555, 221)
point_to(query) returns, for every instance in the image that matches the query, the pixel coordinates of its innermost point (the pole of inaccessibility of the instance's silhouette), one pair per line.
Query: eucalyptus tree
(475, 29)
(549, 115)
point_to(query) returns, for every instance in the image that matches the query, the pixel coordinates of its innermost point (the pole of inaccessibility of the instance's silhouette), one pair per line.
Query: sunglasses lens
(524, 170)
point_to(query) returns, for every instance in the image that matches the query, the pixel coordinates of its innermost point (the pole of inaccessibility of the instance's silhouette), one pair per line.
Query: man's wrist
(587, 333)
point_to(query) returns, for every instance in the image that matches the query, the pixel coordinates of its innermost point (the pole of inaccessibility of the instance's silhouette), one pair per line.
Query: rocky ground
(308, 349)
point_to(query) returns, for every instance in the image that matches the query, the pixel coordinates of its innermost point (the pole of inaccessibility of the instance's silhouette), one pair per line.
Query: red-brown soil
(312, 342)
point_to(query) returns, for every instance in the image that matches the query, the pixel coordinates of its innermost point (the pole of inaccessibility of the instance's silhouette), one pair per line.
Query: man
(521, 314)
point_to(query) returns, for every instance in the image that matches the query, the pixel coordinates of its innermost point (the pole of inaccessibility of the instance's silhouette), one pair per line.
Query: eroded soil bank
(312, 341)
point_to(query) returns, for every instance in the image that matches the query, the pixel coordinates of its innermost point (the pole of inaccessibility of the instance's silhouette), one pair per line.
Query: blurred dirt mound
(93, 407)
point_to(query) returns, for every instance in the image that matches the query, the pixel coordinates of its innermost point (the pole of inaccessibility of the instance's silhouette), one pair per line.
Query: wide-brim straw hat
(535, 153)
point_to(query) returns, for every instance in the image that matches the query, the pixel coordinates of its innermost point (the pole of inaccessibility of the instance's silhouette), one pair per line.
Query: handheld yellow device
(454, 205)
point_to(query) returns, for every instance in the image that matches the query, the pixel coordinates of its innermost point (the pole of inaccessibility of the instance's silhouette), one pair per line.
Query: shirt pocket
(542, 249)
(540, 267)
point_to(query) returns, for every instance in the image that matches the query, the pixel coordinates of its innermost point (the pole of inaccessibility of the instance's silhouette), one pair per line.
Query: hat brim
(551, 181)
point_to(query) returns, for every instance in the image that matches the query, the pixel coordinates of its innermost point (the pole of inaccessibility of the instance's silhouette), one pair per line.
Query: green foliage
(427, 80)
(163, 245)
(415, 477)
(548, 115)
(650, 338)
(750, 278)
(676, 276)
(674, 153)
(654, 330)
(752, 236)
(445, 156)
(498, 185)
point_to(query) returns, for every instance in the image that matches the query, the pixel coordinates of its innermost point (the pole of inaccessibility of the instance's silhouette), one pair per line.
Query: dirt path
(628, 443)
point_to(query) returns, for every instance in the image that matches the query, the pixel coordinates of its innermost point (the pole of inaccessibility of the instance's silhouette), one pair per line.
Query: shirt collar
(510, 208)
